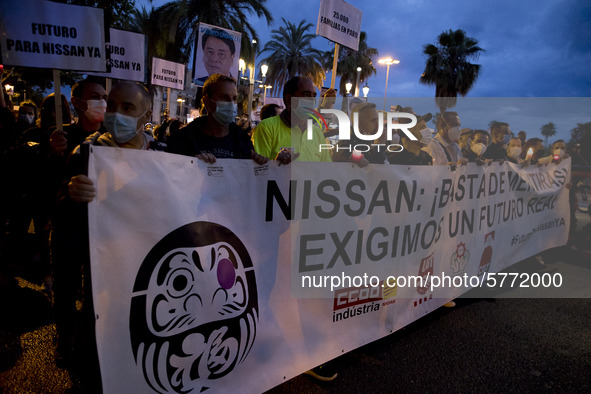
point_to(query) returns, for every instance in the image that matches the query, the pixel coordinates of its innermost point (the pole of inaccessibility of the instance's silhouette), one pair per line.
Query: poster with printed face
(45, 34)
(217, 51)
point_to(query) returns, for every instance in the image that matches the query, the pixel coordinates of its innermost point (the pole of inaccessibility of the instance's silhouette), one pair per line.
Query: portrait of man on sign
(217, 52)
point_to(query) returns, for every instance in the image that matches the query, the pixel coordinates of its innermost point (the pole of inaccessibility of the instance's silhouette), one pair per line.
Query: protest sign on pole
(339, 22)
(127, 56)
(217, 51)
(45, 34)
(168, 74)
(210, 294)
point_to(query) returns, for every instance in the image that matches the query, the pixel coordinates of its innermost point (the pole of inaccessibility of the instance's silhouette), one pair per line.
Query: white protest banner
(127, 52)
(168, 74)
(339, 22)
(192, 263)
(217, 51)
(38, 33)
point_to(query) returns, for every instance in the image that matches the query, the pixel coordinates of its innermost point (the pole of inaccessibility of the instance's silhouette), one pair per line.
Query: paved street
(481, 345)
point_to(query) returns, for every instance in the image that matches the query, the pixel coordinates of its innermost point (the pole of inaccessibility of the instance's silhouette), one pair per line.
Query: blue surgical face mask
(122, 127)
(225, 112)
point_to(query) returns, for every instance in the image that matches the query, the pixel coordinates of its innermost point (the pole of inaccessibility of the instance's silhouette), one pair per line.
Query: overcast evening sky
(538, 48)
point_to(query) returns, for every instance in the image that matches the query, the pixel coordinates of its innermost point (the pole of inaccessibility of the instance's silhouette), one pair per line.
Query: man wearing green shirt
(281, 136)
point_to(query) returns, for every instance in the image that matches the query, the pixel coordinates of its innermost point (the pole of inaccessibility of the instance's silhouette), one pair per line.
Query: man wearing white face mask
(27, 114)
(514, 150)
(476, 147)
(90, 102)
(215, 135)
(558, 153)
(444, 148)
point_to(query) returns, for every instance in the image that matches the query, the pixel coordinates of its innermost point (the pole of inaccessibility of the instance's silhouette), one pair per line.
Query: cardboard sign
(51, 35)
(168, 74)
(127, 56)
(339, 22)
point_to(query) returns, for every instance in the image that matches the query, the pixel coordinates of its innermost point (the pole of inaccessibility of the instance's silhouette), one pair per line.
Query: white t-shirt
(437, 148)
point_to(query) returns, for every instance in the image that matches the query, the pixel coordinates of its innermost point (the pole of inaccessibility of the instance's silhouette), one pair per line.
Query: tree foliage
(164, 39)
(448, 66)
(178, 19)
(117, 12)
(548, 130)
(582, 135)
(349, 60)
(291, 54)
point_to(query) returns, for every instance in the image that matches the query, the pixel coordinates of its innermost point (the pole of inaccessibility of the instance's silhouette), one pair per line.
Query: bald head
(131, 93)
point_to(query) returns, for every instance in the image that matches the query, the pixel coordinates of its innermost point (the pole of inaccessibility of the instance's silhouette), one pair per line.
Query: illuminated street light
(265, 91)
(181, 101)
(357, 84)
(388, 62)
(348, 86)
(365, 91)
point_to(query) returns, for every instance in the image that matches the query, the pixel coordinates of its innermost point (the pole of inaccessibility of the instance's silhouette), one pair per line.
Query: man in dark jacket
(500, 134)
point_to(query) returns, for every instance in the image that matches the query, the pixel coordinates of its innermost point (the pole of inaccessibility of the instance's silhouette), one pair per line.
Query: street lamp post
(365, 91)
(357, 83)
(251, 83)
(264, 69)
(241, 69)
(181, 101)
(265, 87)
(348, 86)
(388, 62)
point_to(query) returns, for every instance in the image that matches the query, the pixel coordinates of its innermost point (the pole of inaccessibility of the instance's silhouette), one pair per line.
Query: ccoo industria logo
(194, 308)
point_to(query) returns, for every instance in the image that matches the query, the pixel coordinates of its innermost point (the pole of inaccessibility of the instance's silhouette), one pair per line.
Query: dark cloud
(533, 48)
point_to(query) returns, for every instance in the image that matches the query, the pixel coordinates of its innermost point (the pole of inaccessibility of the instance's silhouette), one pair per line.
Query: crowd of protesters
(45, 188)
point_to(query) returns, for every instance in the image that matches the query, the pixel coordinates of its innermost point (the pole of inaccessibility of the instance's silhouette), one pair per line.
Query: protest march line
(197, 268)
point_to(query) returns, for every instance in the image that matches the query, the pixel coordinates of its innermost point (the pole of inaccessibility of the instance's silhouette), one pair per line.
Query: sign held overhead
(54, 35)
(127, 56)
(168, 74)
(217, 51)
(339, 22)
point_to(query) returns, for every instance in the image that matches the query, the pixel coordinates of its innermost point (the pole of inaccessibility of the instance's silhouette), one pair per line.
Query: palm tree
(291, 53)
(349, 60)
(548, 130)
(180, 17)
(157, 26)
(448, 66)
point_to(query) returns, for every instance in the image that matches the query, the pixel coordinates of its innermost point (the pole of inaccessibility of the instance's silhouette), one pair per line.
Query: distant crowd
(45, 188)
